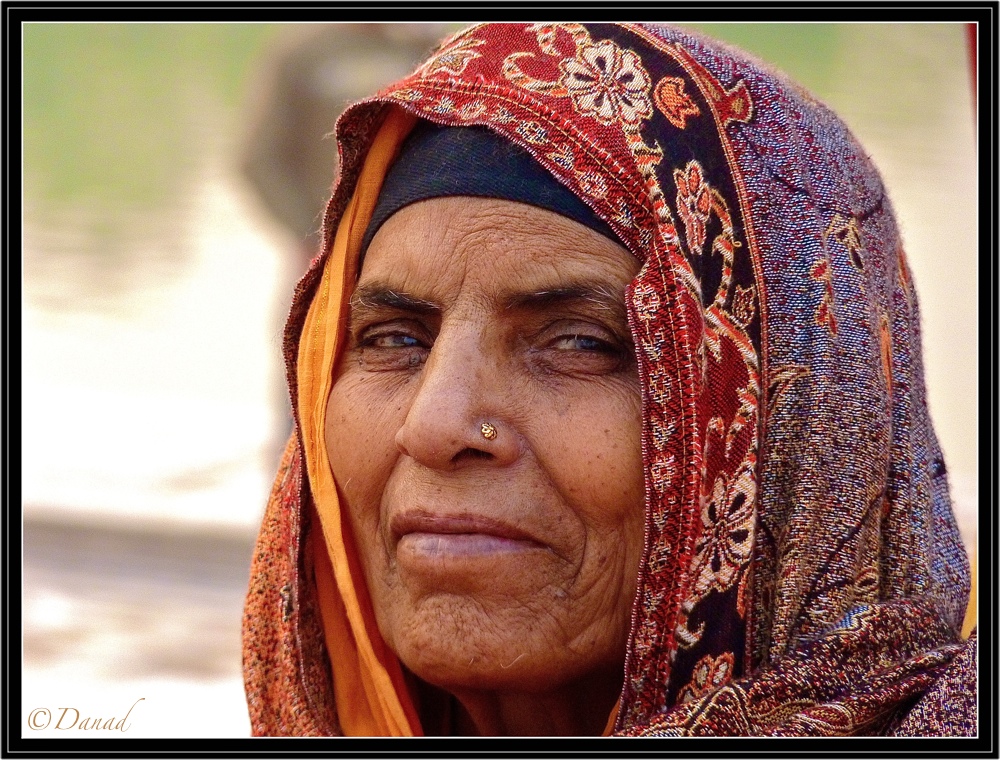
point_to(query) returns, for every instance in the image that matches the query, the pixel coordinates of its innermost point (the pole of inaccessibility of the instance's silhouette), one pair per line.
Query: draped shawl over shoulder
(802, 572)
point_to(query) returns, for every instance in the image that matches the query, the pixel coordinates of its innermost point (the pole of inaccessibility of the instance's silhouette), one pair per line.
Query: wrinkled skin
(502, 571)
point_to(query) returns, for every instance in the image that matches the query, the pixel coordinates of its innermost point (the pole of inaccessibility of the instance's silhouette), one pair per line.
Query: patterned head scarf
(436, 162)
(802, 572)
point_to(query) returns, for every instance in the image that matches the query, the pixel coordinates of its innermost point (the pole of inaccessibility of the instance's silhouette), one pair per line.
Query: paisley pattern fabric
(802, 572)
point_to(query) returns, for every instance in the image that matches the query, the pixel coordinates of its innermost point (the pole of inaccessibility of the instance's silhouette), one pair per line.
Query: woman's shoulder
(948, 708)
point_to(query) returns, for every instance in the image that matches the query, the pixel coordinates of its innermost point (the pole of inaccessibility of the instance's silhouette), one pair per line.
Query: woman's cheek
(596, 457)
(361, 428)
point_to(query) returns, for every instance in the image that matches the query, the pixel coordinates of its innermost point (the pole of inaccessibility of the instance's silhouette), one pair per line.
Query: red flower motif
(824, 312)
(694, 204)
(709, 674)
(673, 102)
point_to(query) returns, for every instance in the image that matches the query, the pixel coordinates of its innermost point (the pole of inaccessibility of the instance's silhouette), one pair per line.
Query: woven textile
(802, 572)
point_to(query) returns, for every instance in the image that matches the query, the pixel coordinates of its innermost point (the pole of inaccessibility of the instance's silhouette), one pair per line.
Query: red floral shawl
(802, 572)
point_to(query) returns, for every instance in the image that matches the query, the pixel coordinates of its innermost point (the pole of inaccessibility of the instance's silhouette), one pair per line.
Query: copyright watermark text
(66, 718)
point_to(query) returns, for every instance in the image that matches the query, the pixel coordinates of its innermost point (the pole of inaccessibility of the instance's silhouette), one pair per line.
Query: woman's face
(508, 563)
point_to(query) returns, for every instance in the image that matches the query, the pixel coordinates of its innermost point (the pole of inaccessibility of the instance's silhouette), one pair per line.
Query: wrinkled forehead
(492, 250)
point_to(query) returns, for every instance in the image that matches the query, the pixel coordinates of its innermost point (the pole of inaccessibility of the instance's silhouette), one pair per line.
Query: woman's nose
(459, 414)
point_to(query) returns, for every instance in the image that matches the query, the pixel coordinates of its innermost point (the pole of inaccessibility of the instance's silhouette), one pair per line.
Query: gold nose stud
(489, 432)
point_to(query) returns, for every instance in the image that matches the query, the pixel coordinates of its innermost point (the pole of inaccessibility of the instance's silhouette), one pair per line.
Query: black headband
(436, 162)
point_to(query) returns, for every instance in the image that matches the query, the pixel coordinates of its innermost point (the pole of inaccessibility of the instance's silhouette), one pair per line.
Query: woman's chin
(462, 642)
(459, 670)
(477, 648)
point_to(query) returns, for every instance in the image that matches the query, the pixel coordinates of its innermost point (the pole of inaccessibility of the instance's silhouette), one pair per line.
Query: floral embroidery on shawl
(673, 102)
(825, 314)
(847, 233)
(709, 674)
(452, 59)
(608, 83)
(694, 203)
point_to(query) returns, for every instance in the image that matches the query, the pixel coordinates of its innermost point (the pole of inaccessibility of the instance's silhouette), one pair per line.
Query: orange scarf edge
(369, 688)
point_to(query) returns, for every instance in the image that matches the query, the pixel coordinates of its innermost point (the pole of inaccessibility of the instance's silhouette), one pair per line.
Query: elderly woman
(610, 416)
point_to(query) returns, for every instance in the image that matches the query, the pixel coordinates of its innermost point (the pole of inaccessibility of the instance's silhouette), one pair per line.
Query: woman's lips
(418, 534)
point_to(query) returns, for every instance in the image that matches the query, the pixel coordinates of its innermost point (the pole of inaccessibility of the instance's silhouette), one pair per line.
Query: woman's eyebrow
(378, 296)
(600, 295)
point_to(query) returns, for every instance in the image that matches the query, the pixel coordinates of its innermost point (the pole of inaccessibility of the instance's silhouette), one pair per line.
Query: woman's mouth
(422, 536)
(459, 544)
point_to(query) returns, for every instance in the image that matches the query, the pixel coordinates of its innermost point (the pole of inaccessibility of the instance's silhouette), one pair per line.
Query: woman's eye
(391, 349)
(392, 341)
(581, 353)
(583, 343)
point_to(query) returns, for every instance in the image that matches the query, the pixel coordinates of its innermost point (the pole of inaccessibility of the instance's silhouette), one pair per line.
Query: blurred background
(174, 175)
